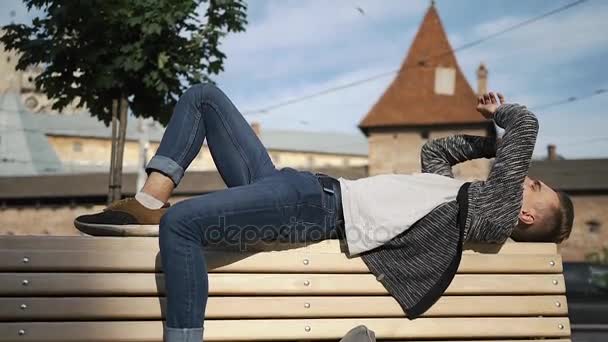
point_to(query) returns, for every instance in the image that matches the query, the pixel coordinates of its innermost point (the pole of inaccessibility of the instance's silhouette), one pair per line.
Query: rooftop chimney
(256, 127)
(482, 79)
(551, 152)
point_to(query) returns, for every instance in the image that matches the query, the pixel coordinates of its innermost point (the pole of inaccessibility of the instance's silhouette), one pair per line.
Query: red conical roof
(411, 99)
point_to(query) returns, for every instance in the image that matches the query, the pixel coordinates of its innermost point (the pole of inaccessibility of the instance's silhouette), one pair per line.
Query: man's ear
(526, 216)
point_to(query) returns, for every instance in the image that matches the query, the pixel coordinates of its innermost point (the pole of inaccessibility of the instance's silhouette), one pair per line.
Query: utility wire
(266, 109)
(569, 100)
(516, 26)
(585, 141)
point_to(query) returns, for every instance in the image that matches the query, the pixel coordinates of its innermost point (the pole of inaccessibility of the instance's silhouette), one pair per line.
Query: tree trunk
(120, 152)
(144, 144)
(112, 180)
(120, 109)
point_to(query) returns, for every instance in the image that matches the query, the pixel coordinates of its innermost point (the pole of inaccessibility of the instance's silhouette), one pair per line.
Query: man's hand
(488, 103)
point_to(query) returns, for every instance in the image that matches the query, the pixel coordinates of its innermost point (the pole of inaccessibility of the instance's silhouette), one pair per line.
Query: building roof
(83, 125)
(588, 175)
(411, 99)
(321, 142)
(24, 150)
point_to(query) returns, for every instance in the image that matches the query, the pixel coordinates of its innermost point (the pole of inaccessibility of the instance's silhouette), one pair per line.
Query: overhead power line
(586, 141)
(569, 100)
(517, 26)
(319, 93)
(266, 109)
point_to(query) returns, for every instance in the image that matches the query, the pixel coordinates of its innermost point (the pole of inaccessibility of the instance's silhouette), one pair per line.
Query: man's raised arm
(501, 194)
(513, 156)
(438, 156)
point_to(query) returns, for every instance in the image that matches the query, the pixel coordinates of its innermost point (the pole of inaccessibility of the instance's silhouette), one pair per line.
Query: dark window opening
(594, 226)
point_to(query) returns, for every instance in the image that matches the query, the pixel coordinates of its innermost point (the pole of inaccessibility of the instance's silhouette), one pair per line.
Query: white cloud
(334, 112)
(18, 8)
(534, 65)
(546, 43)
(304, 38)
(281, 51)
(294, 48)
(299, 48)
(310, 24)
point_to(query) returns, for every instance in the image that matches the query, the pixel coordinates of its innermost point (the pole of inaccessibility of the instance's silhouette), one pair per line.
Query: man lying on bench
(408, 229)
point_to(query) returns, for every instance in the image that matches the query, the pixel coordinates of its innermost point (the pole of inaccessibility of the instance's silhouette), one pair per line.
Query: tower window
(445, 81)
(594, 226)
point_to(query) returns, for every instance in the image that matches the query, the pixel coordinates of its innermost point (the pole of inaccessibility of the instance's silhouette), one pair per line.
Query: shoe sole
(117, 230)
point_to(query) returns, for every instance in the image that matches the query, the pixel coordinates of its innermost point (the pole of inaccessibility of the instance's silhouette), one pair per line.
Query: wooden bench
(111, 289)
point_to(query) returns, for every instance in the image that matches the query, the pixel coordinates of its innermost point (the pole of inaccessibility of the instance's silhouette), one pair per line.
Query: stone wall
(92, 152)
(47, 220)
(590, 231)
(399, 152)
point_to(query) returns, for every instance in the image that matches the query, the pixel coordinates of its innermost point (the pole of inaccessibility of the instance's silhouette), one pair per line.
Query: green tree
(114, 55)
(598, 257)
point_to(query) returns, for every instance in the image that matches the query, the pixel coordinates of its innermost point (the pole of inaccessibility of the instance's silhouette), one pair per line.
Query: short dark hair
(561, 219)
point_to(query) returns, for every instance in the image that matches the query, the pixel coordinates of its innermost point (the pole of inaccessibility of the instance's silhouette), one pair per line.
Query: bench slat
(121, 308)
(150, 244)
(264, 262)
(460, 340)
(518, 340)
(12, 284)
(222, 330)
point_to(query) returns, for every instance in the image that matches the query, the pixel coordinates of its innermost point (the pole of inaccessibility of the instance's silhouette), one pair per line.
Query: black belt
(332, 186)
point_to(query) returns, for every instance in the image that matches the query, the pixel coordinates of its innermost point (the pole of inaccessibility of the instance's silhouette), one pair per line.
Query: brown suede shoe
(126, 217)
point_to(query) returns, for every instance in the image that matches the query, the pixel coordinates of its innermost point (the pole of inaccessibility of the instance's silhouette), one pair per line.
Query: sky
(296, 48)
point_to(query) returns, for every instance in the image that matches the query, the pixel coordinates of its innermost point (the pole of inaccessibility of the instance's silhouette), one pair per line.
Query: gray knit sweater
(417, 266)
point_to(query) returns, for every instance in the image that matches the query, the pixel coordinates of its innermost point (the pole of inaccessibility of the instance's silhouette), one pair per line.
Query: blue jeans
(260, 204)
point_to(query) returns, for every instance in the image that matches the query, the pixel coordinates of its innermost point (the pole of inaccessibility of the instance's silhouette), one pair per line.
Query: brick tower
(429, 98)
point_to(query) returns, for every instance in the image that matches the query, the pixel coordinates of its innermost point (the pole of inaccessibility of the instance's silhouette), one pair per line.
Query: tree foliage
(598, 257)
(148, 51)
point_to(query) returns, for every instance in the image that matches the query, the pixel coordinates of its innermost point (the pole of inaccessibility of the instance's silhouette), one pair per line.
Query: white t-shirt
(378, 208)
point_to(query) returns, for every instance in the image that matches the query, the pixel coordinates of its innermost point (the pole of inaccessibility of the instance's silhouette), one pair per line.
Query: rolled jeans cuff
(183, 334)
(166, 166)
